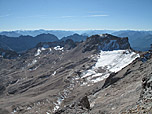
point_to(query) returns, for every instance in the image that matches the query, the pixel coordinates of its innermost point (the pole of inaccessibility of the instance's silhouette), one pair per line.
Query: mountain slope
(56, 76)
(121, 91)
(127, 91)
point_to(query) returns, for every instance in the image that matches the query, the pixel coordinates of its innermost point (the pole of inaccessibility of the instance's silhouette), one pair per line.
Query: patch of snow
(38, 52)
(100, 77)
(32, 69)
(101, 35)
(29, 108)
(57, 105)
(42, 48)
(56, 108)
(59, 101)
(92, 104)
(113, 108)
(34, 61)
(62, 95)
(38, 103)
(54, 73)
(65, 92)
(58, 48)
(14, 111)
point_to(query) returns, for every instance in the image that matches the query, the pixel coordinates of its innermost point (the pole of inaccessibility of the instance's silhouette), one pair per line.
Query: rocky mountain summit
(100, 75)
(106, 42)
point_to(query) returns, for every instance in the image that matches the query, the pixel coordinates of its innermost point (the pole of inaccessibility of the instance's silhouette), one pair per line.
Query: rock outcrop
(106, 42)
(8, 54)
(68, 44)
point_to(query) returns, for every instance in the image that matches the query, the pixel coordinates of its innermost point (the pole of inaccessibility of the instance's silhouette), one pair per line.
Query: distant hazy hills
(75, 37)
(93, 32)
(22, 40)
(23, 43)
(58, 33)
(139, 40)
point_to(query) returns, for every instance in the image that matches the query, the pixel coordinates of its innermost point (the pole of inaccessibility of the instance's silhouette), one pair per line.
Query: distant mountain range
(139, 40)
(58, 33)
(93, 32)
(23, 43)
(75, 37)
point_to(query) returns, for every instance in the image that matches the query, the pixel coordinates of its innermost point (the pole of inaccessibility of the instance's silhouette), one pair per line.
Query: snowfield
(109, 61)
(115, 60)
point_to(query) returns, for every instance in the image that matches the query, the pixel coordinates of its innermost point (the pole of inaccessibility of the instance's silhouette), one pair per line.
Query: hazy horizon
(73, 30)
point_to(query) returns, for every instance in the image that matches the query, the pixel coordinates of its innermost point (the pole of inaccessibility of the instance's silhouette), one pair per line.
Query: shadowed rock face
(8, 54)
(146, 87)
(106, 42)
(84, 102)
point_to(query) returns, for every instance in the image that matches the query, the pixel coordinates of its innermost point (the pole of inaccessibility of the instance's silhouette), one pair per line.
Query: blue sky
(75, 14)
